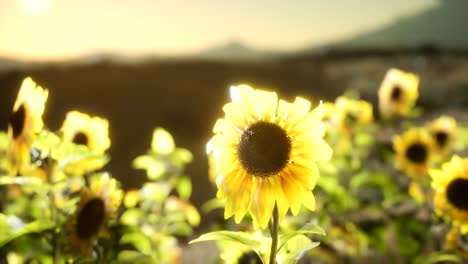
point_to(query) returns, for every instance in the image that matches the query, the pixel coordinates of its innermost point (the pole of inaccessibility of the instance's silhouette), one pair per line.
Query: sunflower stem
(53, 213)
(274, 235)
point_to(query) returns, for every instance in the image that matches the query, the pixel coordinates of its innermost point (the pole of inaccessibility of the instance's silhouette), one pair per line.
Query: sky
(61, 29)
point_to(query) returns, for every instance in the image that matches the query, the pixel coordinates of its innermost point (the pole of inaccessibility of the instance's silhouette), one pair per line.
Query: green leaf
(22, 180)
(131, 217)
(154, 168)
(162, 142)
(184, 187)
(295, 249)
(212, 204)
(138, 240)
(308, 229)
(16, 228)
(439, 257)
(130, 257)
(240, 237)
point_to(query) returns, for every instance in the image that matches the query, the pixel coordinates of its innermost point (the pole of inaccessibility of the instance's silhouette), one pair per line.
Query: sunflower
(97, 206)
(443, 130)
(350, 113)
(414, 151)
(25, 122)
(457, 241)
(450, 185)
(398, 93)
(83, 129)
(265, 153)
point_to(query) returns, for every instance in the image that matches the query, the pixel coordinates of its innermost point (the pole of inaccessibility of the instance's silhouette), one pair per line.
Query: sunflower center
(17, 120)
(249, 257)
(80, 138)
(417, 153)
(457, 193)
(396, 93)
(264, 149)
(441, 138)
(90, 218)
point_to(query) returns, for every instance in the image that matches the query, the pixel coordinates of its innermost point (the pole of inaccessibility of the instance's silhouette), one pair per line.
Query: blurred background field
(140, 89)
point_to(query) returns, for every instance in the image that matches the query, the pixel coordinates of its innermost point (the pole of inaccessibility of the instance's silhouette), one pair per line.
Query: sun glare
(34, 7)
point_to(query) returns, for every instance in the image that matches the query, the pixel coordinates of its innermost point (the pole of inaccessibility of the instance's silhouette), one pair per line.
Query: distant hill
(235, 50)
(443, 27)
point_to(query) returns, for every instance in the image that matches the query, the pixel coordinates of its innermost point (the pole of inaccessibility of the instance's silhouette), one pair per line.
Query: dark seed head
(90, 218)
(264, 149)
(17, 120)
(249, 257)
(457, 193)
(396, 93)
(80, 138)
(417, 153)
(441, 138)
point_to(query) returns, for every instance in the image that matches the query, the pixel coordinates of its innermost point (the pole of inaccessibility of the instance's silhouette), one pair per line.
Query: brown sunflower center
(417, 153)
(17, 120)
(90, 218)
(457, 193)
(396, 93)
(249, 257)
(80, 138)
(441, 138)
(264, 149)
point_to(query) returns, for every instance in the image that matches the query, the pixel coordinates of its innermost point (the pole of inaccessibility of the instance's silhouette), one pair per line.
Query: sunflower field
(297, 181)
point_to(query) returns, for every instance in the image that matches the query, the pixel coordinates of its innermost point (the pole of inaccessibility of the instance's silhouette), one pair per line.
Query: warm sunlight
(34, 7)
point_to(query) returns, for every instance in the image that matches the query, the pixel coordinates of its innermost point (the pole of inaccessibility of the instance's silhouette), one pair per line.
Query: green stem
(55, 235)
(274, 235)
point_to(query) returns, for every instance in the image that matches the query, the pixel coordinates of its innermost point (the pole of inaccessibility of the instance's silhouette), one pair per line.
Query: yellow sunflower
(265, 153)
(450, 185)
(83, 129)
(398, 93)
(97, 206)
(443, 130)
(414, 151)
(457, 241)
(350, 113)
(25, 122)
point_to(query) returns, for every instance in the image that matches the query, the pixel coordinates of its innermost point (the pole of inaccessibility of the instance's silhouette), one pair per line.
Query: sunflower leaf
(162, 142)
(439, 257)
(308, 229)
(12, 228)
(239, 237)
(129, 256)
(295, 248)
(184, 187)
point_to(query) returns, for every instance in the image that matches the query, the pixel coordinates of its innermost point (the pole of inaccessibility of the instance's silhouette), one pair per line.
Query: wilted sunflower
(97, 206)
(25, 122)
(350, 113)
(414, 151)
(83, 129)
(443, 130)
(457, 241)
(398, 93)
(450, 186)
(265, 154)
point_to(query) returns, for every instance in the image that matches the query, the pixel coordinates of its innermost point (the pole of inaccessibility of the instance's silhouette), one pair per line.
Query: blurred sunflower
(92, 132)
(350, 113)
(398, 93)
(414, 151)
(97, 206)
(83, 129)
(265, 153)
(25, 122)
(457, 241)
(443, 130)
(450, 185)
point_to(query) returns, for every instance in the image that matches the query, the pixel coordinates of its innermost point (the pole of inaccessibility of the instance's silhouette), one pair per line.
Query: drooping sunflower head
(398, 93)
(83, 129)
(350, 113)
(97, 206)
(414, 151)
(25, 122)
(457, 240)
(450, 185)
(265, 153)
(443, 130)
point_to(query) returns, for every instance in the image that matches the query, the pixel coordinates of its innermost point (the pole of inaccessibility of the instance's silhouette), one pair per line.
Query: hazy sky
(59, 29)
